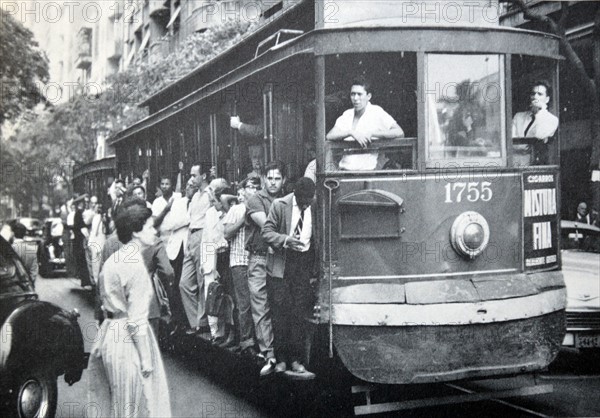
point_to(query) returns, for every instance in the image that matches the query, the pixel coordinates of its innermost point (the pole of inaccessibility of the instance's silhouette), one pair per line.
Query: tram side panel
(429, 281)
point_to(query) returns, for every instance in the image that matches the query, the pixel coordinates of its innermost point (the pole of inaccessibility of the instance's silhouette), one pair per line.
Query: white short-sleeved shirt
(374, 119)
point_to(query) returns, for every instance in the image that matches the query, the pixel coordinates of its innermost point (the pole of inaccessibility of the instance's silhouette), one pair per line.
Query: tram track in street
(511, 405)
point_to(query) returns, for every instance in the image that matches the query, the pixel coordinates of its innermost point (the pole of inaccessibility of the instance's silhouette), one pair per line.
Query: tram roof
(339, 40)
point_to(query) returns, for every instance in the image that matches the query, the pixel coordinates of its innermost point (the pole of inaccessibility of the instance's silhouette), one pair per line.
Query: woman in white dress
(126, 361)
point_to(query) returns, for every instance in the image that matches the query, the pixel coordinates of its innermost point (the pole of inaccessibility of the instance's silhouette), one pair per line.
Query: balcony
(159, 9)
(83, 45)
(115, 49)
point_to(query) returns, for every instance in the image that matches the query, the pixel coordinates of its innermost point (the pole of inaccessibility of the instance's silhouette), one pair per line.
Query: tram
(441, 260)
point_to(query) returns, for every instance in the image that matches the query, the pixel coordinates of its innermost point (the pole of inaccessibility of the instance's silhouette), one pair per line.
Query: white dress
(116, 382)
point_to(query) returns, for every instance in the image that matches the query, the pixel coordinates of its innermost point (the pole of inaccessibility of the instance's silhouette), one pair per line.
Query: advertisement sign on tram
(540, 221)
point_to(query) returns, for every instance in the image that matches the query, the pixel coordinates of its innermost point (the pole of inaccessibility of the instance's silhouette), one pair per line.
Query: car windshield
(31, 223)
(580, 237)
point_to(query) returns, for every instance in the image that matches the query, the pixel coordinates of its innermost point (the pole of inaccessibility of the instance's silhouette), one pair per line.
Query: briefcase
(214, 299)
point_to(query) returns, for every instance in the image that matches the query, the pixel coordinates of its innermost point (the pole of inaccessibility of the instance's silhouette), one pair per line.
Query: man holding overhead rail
(363, 123)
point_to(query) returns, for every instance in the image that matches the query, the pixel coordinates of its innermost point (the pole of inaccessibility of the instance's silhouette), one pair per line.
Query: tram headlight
(470, 234)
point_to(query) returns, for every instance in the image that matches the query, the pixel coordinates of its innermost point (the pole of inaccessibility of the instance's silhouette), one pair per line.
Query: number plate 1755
(471, 192)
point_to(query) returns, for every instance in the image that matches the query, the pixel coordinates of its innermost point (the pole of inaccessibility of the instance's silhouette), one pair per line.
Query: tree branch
(580, 72)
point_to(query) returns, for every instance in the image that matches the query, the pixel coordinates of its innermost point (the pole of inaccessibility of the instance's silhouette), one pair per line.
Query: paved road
(192, 393)
(232, 390)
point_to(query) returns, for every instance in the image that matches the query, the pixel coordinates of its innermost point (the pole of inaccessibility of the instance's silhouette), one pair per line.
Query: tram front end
(446, 275)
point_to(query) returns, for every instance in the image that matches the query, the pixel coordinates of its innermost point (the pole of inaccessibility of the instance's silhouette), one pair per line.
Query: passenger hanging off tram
(363, 123)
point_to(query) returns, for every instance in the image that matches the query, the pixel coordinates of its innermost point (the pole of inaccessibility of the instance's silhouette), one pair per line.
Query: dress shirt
(160, 203)
(213, 240)
(306, 232)
(311, 170)
(198, 206)
(543, 127)
(174, 228)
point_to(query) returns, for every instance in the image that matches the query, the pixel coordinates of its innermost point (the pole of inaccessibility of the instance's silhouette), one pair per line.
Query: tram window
(464, 108)
(533, 144)
(391, 80)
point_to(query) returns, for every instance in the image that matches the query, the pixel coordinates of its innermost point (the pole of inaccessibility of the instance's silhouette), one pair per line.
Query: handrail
(375, 144)
(277, 35)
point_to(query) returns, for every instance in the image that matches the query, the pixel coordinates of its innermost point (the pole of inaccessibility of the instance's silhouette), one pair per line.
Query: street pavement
(207, 384)
(193, 394)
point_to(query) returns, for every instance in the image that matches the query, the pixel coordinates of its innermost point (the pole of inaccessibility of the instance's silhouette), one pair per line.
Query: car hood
(581, 271)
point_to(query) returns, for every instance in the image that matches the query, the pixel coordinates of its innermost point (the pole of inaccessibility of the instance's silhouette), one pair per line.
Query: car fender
(38, 333)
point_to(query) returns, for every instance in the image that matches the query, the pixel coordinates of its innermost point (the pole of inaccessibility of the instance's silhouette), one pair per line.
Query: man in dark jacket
(288, 231)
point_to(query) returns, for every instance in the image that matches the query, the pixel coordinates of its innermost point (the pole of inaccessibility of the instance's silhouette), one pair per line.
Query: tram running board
(469, 396)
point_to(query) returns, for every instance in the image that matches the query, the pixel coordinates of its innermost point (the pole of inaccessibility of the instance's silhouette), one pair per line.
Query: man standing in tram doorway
(288, 231)
(537, 122)
(191, 284)
(258, 207)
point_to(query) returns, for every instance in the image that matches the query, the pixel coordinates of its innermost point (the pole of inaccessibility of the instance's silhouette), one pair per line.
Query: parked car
(51, 255)
(40, 342)
(34, 227)
(581, 269)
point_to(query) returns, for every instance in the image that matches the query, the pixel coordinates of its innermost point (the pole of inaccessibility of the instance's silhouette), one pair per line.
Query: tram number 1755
(472, 191)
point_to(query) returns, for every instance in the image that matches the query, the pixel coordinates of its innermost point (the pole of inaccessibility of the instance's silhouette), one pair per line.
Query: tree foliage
(22, 67)
(46, 146)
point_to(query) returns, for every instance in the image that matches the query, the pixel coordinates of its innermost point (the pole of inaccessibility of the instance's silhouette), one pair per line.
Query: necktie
(298, 229)
(530, 123)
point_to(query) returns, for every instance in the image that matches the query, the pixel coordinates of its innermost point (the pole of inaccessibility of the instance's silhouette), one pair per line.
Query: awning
(174, 17)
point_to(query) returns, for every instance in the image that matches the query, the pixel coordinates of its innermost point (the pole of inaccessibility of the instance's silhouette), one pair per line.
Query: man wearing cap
(288, 231)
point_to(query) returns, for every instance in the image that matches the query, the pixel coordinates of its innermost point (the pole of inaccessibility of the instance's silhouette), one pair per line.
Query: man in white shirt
(537, 122)
(174, 233)
(363, 123)
(162, 205)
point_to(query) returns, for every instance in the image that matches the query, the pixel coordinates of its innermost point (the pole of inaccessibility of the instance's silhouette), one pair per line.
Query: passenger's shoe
(268, 368)
(299, 372)
(191, 331)
(229, 342)
(281, 367)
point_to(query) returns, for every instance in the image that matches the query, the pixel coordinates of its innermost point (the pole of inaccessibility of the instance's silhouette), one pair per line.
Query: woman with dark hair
(126, 357)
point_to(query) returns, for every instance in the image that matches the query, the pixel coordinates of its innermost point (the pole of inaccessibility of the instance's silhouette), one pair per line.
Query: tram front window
(371, 111)
(465, 108)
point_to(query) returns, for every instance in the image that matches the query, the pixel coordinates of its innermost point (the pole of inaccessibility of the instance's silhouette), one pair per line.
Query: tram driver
(537, 122)
(363, 123)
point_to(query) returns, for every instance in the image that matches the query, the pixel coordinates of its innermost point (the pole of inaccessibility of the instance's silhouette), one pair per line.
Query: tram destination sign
(540, 220)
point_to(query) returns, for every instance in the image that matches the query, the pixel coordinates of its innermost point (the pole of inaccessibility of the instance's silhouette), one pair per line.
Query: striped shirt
(238, 255)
